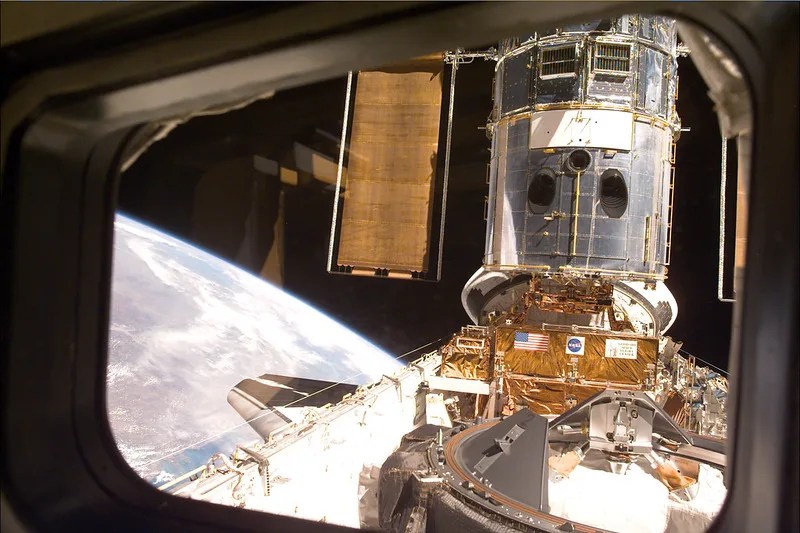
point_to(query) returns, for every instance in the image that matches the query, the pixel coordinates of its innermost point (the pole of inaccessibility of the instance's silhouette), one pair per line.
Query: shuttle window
(613, 193)
(612, 58)
(558, 61)
(579, 160)
(542, 191)
(236, 388)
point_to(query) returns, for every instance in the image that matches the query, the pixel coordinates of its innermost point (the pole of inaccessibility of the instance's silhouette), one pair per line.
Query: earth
(185, 328)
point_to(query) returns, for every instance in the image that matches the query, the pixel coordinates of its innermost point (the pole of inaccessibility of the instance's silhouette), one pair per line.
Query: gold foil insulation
(593, 365)
(568, 368)
(571, 295)
(467, 355)
(675, 406)
(389, 187)
(546, 396)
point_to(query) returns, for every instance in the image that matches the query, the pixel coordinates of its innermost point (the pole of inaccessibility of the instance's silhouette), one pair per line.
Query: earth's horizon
(185, 328)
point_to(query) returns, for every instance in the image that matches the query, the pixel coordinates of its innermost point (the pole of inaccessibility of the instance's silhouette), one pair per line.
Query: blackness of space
(197, 184)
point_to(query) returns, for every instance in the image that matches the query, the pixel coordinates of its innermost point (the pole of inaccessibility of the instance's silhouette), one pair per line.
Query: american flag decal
(531, 341)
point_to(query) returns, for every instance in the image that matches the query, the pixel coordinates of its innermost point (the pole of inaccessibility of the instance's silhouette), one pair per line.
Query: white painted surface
(634, 502)
(620, 349)
(325, 468)
(575, 345)
(470, 386)
(590, 128)
(657, 296)
(436, 411)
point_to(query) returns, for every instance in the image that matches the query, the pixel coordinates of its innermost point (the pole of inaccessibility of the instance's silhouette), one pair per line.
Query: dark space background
(198, 184)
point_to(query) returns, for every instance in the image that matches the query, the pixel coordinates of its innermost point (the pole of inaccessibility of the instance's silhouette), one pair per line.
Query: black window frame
(66, 125)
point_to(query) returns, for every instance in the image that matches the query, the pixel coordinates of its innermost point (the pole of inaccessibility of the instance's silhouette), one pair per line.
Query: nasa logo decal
(575, 345)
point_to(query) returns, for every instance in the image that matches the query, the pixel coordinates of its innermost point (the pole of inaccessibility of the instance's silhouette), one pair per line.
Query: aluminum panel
(596, 128)
(495, 213)
(516, 84)
(561, 88)
(626, 24)
(664, 32)
(540, 240)
(652, 95)
(582, 234)
(646, 30)
(615, 87)
(612, 216)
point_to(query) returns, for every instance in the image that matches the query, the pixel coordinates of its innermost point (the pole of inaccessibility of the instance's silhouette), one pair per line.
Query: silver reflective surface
(625, 69)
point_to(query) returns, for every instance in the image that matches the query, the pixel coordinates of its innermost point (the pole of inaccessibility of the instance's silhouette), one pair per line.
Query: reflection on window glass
(241, 372)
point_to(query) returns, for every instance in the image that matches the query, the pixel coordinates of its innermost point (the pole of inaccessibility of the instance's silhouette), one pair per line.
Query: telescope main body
(583, 135)
(583, 129)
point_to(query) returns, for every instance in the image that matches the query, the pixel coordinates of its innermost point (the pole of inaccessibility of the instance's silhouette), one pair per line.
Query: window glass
(243, 372)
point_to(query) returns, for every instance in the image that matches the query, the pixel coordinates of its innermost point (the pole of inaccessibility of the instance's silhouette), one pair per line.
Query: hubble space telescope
(561, 405)
(565, 383)
(581, 177)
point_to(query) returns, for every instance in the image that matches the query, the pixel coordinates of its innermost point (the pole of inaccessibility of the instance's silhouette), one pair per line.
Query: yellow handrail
(575, 220)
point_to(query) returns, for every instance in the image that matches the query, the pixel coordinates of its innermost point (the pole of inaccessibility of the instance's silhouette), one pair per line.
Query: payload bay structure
(564, 407)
